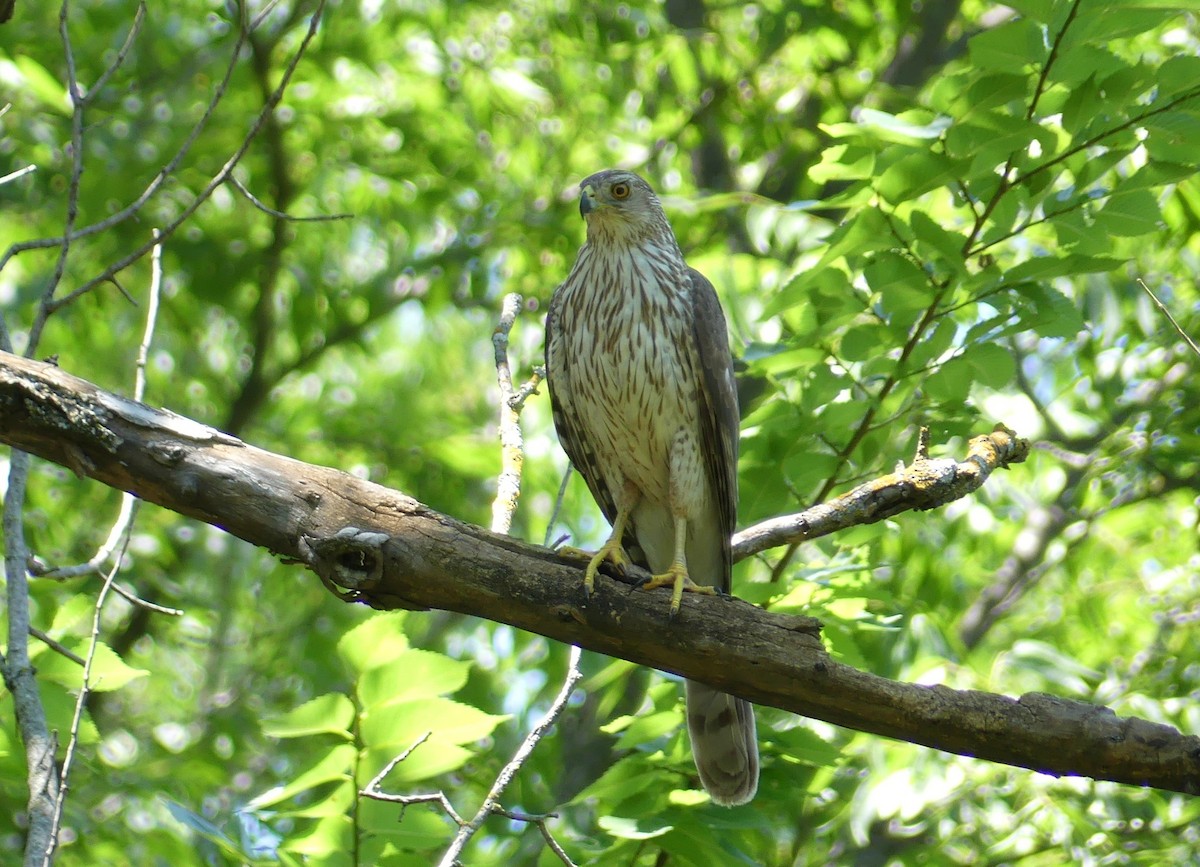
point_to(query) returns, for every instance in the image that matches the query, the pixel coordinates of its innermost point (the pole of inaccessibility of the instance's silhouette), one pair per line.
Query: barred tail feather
(724, 744)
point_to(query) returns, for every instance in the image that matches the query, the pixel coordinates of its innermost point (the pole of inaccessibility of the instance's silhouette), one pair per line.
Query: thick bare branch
(392, 551)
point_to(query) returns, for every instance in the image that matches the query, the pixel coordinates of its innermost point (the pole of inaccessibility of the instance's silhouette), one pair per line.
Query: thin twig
(509, 771)
(280, 215)
(139, 376)
(129, 503)
(1167, 313)
(46, 305)
(58, 648)
(220, 177)
(266, 10)
(80, 701)
(139, 18)
(19, 173)
(167, 171)
(374, 790)
(512, 451)
(530, 386)
(557, 510)
(540, 821)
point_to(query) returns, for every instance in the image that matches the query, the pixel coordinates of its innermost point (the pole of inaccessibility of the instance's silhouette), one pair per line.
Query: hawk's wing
(719, 420)
(566, 421)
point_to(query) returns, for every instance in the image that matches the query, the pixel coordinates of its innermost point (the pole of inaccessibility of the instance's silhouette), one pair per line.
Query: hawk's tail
(723, 744)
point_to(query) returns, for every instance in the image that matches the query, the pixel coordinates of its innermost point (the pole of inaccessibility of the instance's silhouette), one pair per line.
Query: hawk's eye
(620, 190)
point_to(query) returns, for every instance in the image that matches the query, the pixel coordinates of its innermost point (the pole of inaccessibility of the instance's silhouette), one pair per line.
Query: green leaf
(1178, 74)
(1171, 136)
(332, 713)
(411, 675)
(1013, 45)
(868, 230)
(60, 712)
(933, 237)
(329, 839)
(335, 763)
(844, 162)
(1045, 267)
(401, 723)
(1054, 314)
(992, 365)
(935, 344)
(50, 92)
(805, 746)
(950, 383)
(108, 673)
(649, 727)
(623, 780)
(432, 758)
(643, 828)
(76, 610)
(862, 342)
(916, 174)
(1130, 213)
(421, 826)
(904, 127)
(374, 642)
(903, 288)
(1116, 21)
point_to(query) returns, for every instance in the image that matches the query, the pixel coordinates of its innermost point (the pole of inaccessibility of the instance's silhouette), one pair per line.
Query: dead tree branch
(391, 551)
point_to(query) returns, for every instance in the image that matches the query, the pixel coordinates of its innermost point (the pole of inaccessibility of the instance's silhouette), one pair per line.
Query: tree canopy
(303, 224)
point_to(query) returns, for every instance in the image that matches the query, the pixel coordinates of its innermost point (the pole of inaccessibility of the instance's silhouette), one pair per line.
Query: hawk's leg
(610, 550)
(676, 577)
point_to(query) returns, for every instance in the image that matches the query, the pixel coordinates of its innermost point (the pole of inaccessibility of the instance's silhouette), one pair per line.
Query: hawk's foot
(610, 551)
(678, 580)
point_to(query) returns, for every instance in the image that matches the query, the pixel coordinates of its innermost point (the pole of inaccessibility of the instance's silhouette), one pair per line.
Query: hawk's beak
(586, 203)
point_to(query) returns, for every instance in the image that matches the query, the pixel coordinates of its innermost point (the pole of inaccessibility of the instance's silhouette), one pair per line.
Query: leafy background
(927, 214)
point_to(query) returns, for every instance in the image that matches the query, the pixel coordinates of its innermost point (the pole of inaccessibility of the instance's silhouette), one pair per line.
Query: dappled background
(915, 215)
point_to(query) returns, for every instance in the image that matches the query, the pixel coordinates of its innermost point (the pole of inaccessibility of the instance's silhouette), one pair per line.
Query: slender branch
(528, 387)
(139, 18)
(255, 385)
(40, 744)
(865, 423)
(280, 215)
(217, 179)
(139, 378)
(925, 484)
(129, 503)
(46, 304)
(540, 821)
(374, 789)
(491, 803)
(85, 687)
(1040, 87)
(512, 445)
(392, 551)
(19, 173)
(57, 647)
(1167, 313)
(159, 179)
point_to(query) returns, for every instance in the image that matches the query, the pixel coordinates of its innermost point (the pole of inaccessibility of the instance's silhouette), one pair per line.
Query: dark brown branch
(391, 551)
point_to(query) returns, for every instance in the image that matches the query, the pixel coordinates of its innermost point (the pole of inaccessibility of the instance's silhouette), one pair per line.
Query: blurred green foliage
(929, 214)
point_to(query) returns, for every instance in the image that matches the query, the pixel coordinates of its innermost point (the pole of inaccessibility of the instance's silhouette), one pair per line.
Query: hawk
(641, 386)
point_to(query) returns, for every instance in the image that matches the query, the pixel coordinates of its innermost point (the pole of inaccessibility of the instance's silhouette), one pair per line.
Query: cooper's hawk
(641, 384)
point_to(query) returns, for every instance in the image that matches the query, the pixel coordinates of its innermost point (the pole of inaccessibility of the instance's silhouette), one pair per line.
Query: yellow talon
(610, 551)
(678, 580)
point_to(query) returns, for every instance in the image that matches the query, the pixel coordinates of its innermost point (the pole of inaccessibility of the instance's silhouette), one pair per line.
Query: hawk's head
(620, 206)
